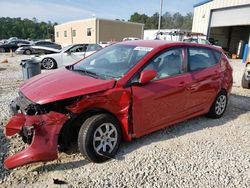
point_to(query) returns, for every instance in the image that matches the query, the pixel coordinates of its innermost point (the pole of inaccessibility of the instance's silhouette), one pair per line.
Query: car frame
(99, 111)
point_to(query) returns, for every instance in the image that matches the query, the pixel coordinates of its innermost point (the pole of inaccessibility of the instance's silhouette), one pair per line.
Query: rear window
(200, 58)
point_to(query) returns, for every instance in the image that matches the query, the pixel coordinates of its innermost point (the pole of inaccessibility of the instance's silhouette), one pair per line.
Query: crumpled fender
(45, 136)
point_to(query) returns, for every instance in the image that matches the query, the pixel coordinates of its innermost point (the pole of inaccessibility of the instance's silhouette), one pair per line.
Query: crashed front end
(39, 126)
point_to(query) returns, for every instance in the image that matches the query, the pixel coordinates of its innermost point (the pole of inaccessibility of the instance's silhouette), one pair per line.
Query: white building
(224, 21)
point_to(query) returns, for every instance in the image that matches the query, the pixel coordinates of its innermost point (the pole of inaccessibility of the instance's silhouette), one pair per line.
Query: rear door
(204, 67)
(163, 100)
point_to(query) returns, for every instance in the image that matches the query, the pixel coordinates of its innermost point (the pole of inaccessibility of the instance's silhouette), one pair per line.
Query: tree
(25, 28)
(168, 21)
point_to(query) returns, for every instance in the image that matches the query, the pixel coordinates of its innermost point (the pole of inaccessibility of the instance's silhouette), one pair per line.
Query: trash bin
(30, 68)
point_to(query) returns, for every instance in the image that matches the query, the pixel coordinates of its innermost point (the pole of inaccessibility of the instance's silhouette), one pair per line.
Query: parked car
(121, 92)
(35, 48)
(246, 77)
(68, 55)
(13, 45)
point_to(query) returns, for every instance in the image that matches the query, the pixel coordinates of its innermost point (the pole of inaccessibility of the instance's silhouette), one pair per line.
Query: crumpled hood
(61, 84)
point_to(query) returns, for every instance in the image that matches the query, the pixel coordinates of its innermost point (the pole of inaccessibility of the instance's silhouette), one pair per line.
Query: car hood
(46, 48)
(61, 84)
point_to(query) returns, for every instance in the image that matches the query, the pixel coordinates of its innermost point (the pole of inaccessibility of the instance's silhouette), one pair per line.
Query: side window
(168, 63)
(217, 55)
(93, 47)
(200, 58)
(78, 48)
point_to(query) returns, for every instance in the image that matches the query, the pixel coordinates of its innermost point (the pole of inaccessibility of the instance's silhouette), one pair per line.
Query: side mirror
(147, 75)
(68, 52)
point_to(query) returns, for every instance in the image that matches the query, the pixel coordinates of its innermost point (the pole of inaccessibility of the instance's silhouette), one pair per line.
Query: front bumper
(46, 129)
(19, 51)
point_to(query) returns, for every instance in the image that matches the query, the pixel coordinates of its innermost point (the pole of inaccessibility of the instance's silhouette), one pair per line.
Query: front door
(163, 100)
(73, 55)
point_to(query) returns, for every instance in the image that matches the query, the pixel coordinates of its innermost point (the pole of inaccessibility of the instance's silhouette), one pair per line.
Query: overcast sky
(67, 10)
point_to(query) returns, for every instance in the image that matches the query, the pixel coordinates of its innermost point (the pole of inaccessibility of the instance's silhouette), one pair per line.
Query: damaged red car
(122, 92)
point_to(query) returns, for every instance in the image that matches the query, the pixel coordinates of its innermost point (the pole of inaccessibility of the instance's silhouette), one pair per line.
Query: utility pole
(160, 13)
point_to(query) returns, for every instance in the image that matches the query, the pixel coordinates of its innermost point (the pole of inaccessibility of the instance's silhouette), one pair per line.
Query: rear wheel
(27, 52)
(99, 138)
(219, 106)
(48, 63)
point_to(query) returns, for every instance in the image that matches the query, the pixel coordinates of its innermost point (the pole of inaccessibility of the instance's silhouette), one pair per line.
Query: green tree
(25, 28)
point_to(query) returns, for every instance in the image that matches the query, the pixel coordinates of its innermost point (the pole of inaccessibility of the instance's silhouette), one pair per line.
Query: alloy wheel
(48, 63)
(220, 104)
(105, 138)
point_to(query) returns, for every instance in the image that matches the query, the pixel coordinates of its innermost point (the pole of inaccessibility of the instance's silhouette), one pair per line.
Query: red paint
(154, 105)
(62, 84)
(147, 75)
(44, 143)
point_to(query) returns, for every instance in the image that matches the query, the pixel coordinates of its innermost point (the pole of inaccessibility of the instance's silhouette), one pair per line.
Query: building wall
(80, 28)
(115, 30)
(101, 30)
(202, 13)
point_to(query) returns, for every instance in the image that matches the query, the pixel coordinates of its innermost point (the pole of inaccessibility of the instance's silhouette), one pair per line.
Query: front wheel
(48, 63)
(99, 138)
(219, 106)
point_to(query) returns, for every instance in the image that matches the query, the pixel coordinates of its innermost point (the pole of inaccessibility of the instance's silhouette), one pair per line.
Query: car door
(206, 78)
(74, 54)
(163, 100)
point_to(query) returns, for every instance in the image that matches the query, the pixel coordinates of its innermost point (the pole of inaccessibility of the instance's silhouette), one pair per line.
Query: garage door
(231, 17)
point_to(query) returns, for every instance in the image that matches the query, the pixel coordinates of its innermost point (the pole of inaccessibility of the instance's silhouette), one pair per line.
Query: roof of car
(148, 43)
(160, 43)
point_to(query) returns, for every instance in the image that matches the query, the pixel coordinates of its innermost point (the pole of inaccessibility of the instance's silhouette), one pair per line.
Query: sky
(61, 11)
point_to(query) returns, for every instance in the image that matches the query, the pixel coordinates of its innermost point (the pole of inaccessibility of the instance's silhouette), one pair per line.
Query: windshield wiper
(86, 72)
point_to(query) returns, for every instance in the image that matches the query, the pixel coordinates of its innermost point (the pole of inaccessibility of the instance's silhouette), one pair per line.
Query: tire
(2, 50)
(219, 106)
(90, 139)
(27, 52)
(244, 82)
(48, 63)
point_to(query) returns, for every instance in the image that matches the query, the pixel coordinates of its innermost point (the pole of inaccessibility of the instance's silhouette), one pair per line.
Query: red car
(122, 92)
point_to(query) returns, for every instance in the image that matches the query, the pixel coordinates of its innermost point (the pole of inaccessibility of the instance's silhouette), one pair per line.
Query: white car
(67, 55)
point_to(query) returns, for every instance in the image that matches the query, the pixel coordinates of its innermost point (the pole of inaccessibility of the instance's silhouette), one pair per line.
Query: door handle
(182, 84)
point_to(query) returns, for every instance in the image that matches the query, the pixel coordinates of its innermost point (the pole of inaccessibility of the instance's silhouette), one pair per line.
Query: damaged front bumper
(45, 130)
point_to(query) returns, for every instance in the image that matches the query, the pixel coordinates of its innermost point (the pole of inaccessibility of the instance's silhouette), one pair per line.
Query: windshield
(66, 48)
(112, 62)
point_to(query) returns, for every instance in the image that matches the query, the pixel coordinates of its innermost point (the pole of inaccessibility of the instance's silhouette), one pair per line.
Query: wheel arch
(71, 128)
(52, 59)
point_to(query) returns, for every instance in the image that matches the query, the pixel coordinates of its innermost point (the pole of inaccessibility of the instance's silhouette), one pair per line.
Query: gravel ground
(196, 153)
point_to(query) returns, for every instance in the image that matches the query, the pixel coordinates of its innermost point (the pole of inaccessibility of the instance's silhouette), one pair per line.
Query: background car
(68, 55)
(13, 45)
(197, 40)
(246, 77)
(33, 48)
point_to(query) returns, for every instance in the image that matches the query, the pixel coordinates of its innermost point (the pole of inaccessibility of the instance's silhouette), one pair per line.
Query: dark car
(121, 92)
(13, 45)
(33, 48)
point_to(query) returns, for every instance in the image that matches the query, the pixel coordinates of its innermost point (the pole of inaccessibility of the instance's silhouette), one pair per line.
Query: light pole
(159, 24)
